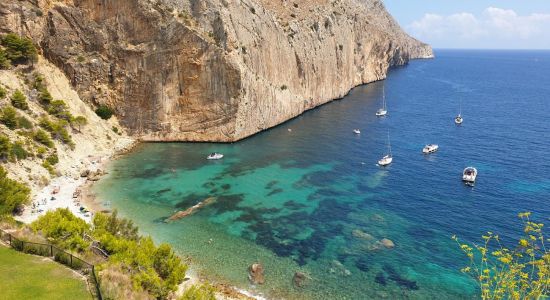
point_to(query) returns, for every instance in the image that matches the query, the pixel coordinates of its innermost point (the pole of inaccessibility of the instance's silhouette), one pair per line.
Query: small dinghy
(430, 148)
(356, 131)
(469, 175)
(214, 156)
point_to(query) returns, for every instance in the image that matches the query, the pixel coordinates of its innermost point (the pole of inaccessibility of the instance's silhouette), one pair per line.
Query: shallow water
(296, 200)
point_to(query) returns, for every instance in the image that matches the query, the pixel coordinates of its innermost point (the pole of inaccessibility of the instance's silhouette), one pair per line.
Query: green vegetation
(5, 147)
(9, 117)
(19, 100)
(59, 109)
(37, 278)
(18, 151)
(80, 121)
(57, 129)
(12, 194)
(156, 270)
(17, 50)
(201, 292)
(104, 112)
(3, 93)
(5, 63)
(519, 273)
(43, 137)
(23, 122)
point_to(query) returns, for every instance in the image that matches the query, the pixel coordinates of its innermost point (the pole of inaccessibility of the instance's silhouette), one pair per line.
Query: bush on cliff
(199, 292)
(63, 229)
(3, 93)
(18, 49)
(521, 272)
(5, 63)
(9, 117)
(43, 137)
(13, 194)
(19, 100)
(104, 112)
(5, 147)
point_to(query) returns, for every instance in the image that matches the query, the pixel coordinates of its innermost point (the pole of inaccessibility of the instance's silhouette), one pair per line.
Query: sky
(475, 24)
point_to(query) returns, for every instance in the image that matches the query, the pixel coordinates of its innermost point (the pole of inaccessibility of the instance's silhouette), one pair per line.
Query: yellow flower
(523, 243)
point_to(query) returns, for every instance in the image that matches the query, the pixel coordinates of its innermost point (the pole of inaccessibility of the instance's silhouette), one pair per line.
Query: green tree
(9, 117)
(43, 137)
(63, 229)
(104, 112)
(5, 147)
(80, 121)
(44, 96)
(19, 49)
(199, 292)
(19, 100)
(12, 194)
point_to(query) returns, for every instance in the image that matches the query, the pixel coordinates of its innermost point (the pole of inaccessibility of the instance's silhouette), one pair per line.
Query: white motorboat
(430, 148)
(387, 159)
(356, 131)
(469, 175)
(384, 110)
(214, 156)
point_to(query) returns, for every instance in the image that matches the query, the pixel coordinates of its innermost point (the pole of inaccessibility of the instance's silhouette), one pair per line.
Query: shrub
(23, 122)
(9, 117)
(19, 49)
(104, 112)
(284, 87)
(57, 129)
(52, 159)
(199, 292)
(18, 151)
(115, 129)
(5, 63)
(80, 121)
(46, 164)
(43, 137)
(3, 93)
(5, 147)
(12, 194)
(503, 273)
(40, 151)
(63, 228)
(59, 109)
(19, 100)
(44, 96)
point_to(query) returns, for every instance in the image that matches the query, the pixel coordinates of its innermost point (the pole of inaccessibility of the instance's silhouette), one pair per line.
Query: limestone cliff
(213, 70)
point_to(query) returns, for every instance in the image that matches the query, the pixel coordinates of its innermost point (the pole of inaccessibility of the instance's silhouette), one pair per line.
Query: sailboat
(387, 159)
(458, 119)
(384, 110)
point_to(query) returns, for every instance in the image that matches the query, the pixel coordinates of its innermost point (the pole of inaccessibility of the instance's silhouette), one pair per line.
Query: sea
(308, 196)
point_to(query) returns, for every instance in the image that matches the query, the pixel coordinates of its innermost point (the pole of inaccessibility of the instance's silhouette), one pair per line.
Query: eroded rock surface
(213, 70)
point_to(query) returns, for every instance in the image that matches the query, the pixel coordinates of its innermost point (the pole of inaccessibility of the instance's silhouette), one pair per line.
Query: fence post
(51, 250)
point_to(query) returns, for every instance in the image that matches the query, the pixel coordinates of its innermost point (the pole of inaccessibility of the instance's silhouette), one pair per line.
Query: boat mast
(389, 144)
(384, 97)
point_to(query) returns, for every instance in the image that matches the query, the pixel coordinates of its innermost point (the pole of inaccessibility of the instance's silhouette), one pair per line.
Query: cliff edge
(212, 70)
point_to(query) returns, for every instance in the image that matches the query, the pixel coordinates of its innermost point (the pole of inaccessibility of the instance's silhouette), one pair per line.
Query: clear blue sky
(504, 24)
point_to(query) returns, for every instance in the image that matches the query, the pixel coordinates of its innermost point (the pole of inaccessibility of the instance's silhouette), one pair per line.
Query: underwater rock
(362, 264)
(377, 218)
(387, 243)
(338, 268)
(300, 279)
(358, 233)
(190, 210)
(256, 273)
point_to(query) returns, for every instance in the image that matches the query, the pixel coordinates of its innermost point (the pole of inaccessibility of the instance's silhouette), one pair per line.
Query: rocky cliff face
(213, 70)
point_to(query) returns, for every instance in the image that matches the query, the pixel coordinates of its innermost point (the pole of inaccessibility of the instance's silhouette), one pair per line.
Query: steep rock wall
(213, 70)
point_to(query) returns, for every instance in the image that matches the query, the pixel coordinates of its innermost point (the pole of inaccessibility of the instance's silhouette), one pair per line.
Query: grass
(24, 276)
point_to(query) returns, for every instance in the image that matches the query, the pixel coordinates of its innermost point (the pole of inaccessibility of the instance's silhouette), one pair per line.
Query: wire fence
(58, 255)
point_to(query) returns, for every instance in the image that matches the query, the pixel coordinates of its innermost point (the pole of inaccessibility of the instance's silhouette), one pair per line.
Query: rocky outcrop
(213, 70)
(256, 273)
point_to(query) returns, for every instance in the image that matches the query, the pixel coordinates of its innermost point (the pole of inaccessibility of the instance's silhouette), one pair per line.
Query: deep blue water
(296, 200)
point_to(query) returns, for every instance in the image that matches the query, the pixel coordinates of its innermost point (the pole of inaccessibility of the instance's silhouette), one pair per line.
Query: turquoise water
(312, 199)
